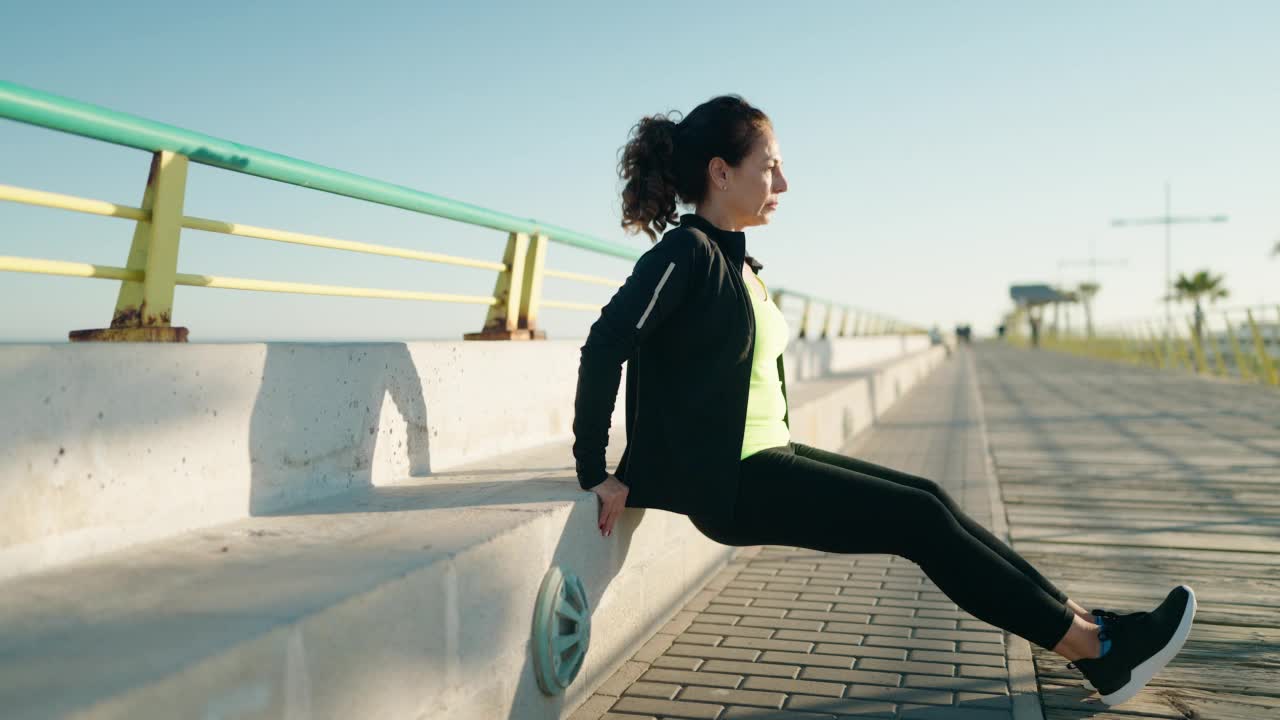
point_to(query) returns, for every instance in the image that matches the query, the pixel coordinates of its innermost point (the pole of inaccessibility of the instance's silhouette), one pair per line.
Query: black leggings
(803, 496)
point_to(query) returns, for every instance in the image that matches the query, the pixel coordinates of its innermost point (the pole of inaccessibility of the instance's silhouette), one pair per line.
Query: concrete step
(412, 598)
(408, 601)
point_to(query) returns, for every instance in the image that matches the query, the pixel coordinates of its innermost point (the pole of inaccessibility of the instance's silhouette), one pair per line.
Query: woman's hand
(613, 500)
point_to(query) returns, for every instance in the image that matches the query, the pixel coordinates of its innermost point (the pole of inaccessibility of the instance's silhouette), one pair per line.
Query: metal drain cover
(561, 630)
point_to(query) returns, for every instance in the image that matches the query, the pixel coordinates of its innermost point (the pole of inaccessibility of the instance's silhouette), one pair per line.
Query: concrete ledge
(828, 412)
(409, 599)
(123, 444)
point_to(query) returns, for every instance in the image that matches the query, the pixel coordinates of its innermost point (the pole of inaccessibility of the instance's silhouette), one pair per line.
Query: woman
(707, 423)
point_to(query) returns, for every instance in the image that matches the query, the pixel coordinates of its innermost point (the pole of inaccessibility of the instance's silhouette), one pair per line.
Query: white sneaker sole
(1148, 668)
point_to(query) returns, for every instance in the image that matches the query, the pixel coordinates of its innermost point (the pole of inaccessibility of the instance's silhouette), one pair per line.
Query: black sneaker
(1141, 645)
(1104, 619)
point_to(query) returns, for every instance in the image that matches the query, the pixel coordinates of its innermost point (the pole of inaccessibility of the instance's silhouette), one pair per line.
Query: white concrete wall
(813, 359)
(102, 446)
(219, 437)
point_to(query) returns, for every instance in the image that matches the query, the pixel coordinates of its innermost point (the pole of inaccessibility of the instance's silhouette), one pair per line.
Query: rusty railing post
(144, 309)
(517, 289)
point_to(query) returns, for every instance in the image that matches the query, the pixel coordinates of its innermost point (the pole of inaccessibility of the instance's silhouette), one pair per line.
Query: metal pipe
(33, 107)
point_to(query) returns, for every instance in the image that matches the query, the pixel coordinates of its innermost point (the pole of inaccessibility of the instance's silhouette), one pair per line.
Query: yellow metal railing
(144, 306)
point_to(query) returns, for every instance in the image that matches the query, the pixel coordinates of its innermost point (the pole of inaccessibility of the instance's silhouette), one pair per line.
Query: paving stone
(791, 604)
(900, 694)
(906, 666)
(928, 712)
(759, 594)
(859, 577)
(920, 643)
(973, 699)
(768, 644)
(933, 604)
(869, 629)
(594, 708)
(958, 683)
(984, 648)
(700, 601)
(682, 677)
(828, 616)
(901, 585)
(802, 687)
(668, 708)
(809, 659)
(722, 599)
(784, 624)
(958, 658)
(624, 676)
(747, 611)
(791, 586)
(654, 647)
(718, 619)
(812, 574)
(726, 696)
(679, 623)
(983, 671)
(677, 663)
(699, 638)
(844, 707)
(707, 652)
(851, 676)
(747, 668)
(785, 564)
(874, 609)
(730, 630)
(821, 636)
(914, 622)
(665, 691)
(890, 653)
(750, 713)
(960, 635)
(944, 614)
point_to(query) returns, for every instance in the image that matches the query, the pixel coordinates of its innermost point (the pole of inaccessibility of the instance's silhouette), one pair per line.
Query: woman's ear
(718, 173)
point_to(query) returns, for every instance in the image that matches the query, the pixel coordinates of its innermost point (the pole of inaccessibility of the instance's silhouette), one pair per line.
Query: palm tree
(1085, 292)
(1202, 285)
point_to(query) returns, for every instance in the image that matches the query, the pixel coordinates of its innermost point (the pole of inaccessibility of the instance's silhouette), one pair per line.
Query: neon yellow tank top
(766, 404)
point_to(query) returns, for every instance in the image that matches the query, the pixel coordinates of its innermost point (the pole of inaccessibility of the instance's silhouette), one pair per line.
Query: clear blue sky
(937, 152)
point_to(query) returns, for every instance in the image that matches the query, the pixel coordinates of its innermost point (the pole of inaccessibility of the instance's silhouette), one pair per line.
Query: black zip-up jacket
(684, 325)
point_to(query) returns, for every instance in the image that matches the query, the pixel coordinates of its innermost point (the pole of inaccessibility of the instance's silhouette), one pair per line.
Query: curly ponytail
(648, 166)
(665, 162)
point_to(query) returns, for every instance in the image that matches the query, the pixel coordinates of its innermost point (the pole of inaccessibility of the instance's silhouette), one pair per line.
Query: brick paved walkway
(788, 633)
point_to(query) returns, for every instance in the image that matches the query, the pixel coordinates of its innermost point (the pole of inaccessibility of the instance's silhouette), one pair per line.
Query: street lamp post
(1168, 220)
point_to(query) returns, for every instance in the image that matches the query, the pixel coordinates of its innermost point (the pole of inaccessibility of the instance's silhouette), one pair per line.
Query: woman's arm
(656, 287)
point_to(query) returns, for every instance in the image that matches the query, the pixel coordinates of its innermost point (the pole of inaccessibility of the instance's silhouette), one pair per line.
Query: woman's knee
(922, 521)
(938, 492)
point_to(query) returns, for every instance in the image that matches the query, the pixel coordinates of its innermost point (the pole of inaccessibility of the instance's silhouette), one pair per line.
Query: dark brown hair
(665, 161)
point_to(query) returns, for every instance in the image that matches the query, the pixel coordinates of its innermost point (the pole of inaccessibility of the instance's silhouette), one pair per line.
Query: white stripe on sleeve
(656, 290)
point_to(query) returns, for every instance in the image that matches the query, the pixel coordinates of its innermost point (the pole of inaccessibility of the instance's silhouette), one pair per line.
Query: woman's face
(751, 190)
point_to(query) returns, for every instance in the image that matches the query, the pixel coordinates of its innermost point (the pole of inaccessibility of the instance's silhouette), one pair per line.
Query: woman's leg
(968, 523)
(786, 499)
